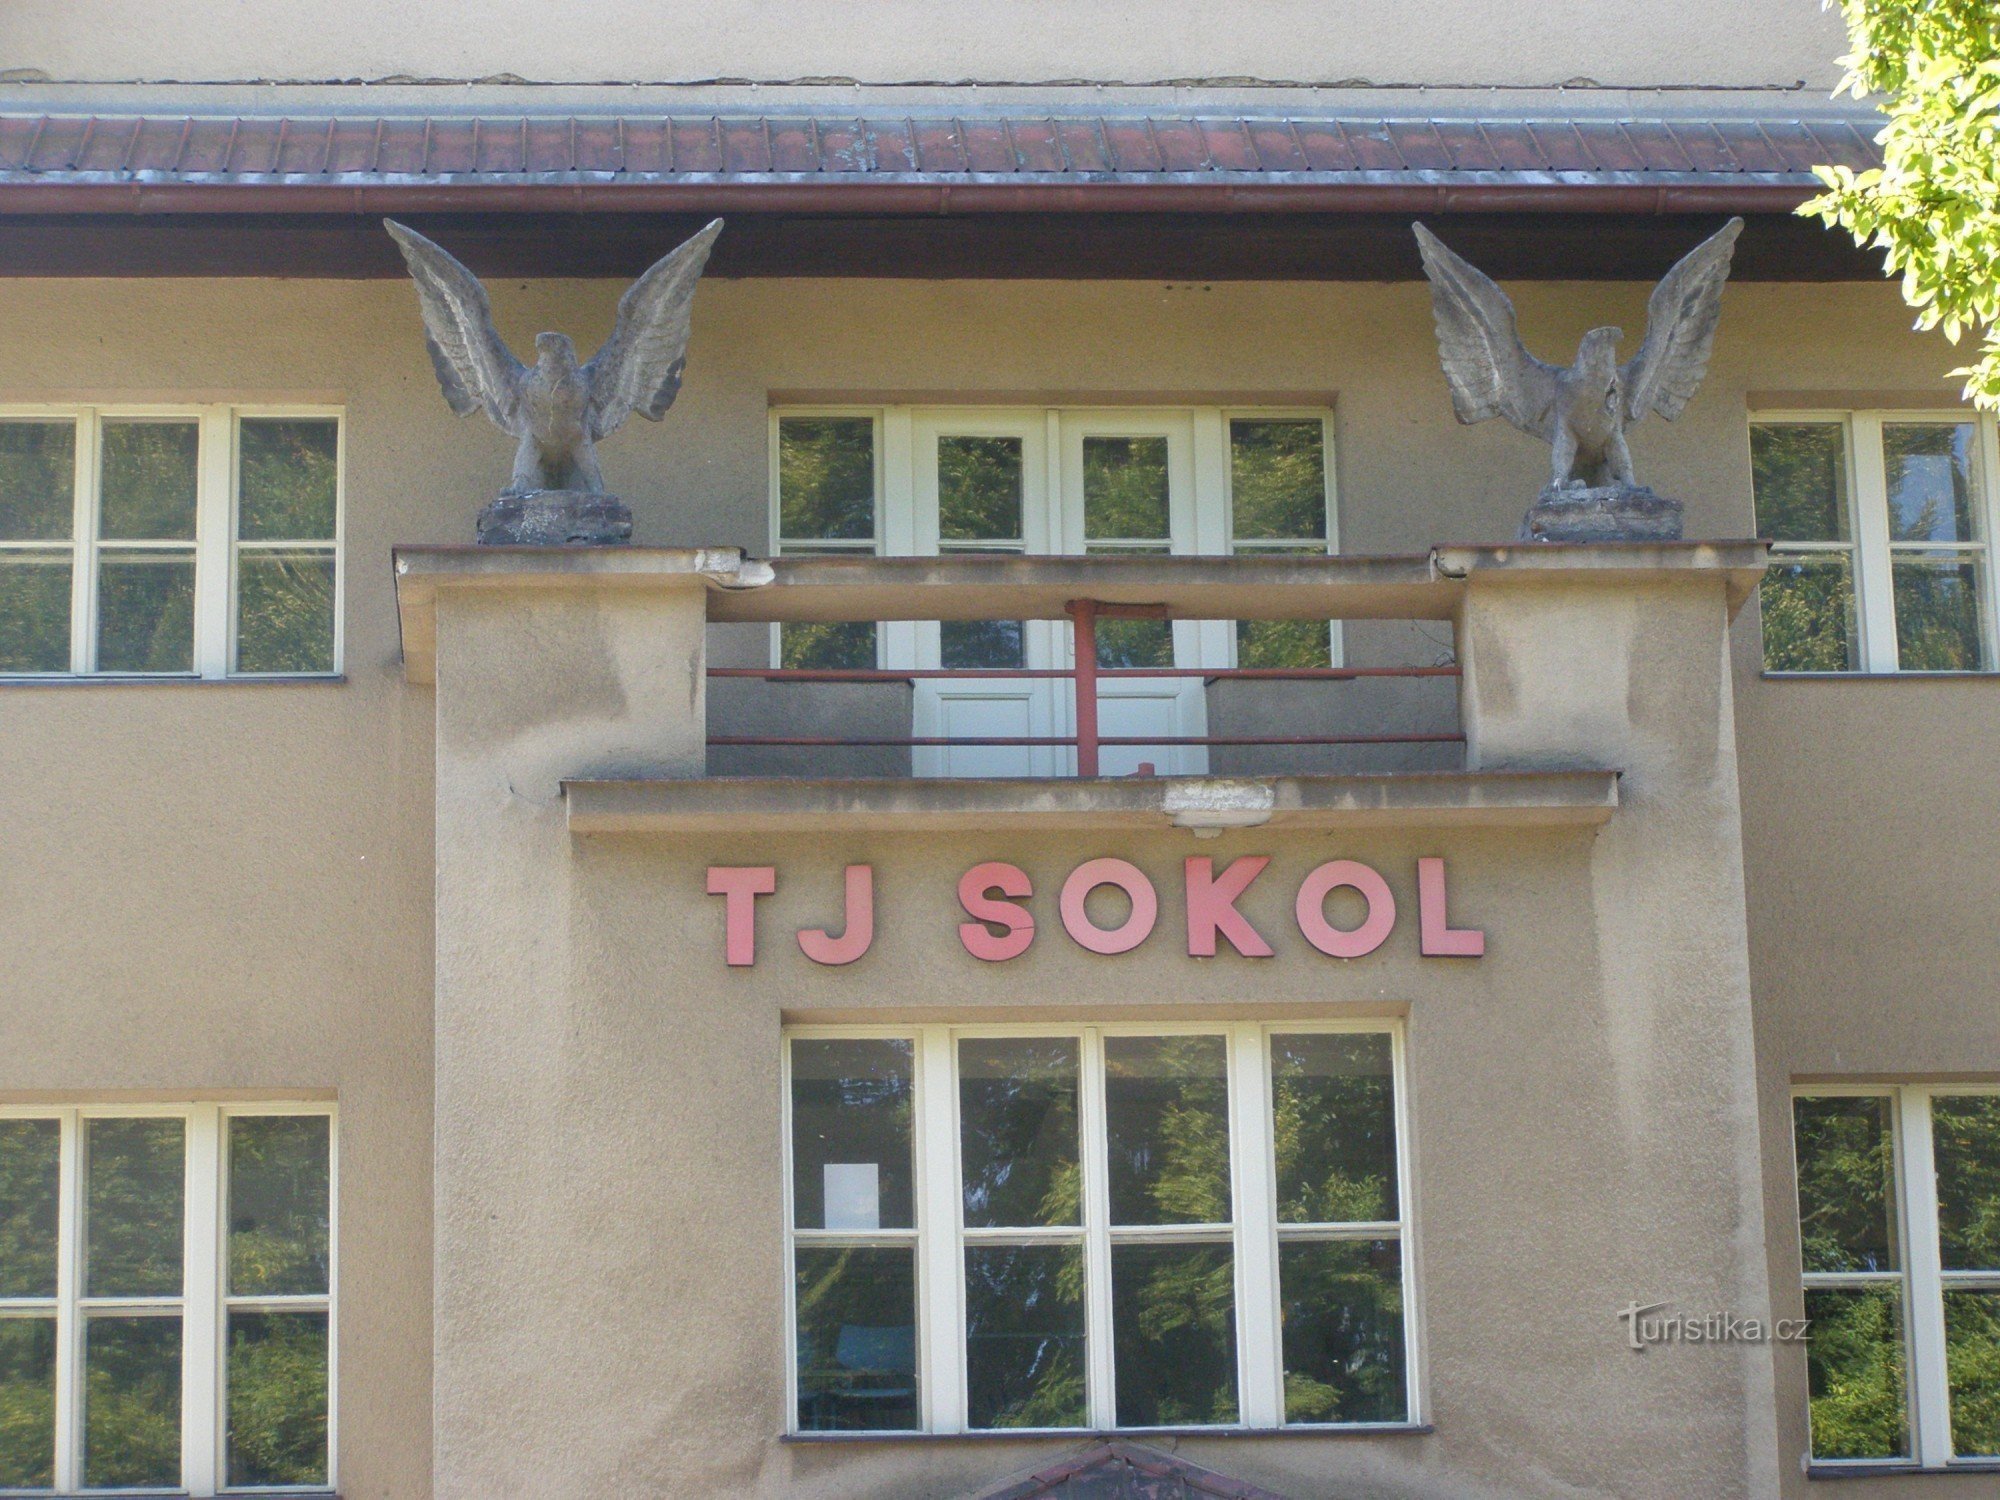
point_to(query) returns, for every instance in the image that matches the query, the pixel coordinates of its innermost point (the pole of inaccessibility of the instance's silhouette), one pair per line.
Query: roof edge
(24, 193)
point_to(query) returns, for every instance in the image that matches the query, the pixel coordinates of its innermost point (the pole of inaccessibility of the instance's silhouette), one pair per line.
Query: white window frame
(1872, 552)
(205, 1302)
(900, 531)
(940, 1236)
(216, 547)
(1922, 1279)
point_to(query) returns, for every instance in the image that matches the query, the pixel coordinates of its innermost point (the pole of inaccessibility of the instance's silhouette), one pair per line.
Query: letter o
(1130, 879)
(1322, 934)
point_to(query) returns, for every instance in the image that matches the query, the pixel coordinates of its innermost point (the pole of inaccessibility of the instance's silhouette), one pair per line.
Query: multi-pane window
(166, 1299)
(1882, 525)
(167, 543)
(1096, 1227)
(1899, 1233)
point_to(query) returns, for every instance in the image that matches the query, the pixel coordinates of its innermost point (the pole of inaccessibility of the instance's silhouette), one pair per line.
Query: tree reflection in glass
(132, 1207)
(1334, 1116)
(1343, 1311)
(1846, 1168)
(1855, 1373)
(1173, 1320)
(1166, 1111)
(1024, 1336)
(1017, 1131)
(132, 1402)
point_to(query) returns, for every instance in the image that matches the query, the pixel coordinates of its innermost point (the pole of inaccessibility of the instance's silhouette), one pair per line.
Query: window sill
(1770, 676)
(1881, 1469)
(298, 679)
(1117, 1434)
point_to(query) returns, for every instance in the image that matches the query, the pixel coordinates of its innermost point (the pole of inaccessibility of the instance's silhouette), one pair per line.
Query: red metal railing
(1086, 675)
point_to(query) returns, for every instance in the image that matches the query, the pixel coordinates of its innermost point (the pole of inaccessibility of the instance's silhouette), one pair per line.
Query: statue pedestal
(1601, 513)
(555, 518)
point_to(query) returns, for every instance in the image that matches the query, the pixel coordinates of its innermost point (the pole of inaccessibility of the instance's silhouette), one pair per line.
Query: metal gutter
(915, 195)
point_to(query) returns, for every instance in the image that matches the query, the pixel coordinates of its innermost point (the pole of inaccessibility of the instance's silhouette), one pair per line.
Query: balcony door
(1035, 483)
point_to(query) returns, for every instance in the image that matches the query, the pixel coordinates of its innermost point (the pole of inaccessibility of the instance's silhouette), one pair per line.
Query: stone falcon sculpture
(1581, 412)
(558, 409)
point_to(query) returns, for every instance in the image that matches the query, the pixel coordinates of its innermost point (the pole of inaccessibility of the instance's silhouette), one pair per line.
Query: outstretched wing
(1680, 329)
(1490, 371)
(473, 363)
(639, 367)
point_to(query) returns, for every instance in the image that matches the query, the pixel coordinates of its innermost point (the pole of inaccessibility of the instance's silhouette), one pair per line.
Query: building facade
(759, 1011)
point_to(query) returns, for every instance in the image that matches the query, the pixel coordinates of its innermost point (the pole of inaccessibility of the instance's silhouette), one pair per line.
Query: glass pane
(1277, 478)
(30, 1183)
(27, 1403)
(982, 644)
(1940, 614)
(1809, 620)
(288, 484)
(132, 1207)
(277, 1398)
(1024, 1349)
(284, 612)
(145, 612)
(132, 1403)
(37, 481)
(1333, 1105)
(1965, 1135)
(1135, 643)
(845, 645)
(1017, 1131)
(1854, 1373)
(1972, 1367)
(1343, 1311)
(1166, 1119)
(1173, 1322)
(979, 489)
(1933, 479)
(280, 1192)
(34, 611)
(1125, 488)
(857, 1322)
(851, 1161)
(826, 477)
(1798, 474)
(147, 473)
(1283, 643)
(1847, 1177)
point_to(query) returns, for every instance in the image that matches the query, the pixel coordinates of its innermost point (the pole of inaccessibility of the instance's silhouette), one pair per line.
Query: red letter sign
(1130, 879)
(1439, 939)
(1009, 880)
(740, 886)
(860, 931)
(1211, 906)
(1375, 927)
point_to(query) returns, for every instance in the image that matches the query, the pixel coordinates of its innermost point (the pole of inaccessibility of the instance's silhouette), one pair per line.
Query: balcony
(1475, 681)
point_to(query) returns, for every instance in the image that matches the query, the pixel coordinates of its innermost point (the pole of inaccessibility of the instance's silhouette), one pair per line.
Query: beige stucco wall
(1437, 42)
(209, 887)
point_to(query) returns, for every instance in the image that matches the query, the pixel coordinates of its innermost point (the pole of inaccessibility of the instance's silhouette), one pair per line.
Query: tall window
(1278, 507)
(1882, 524)
(166, 1299)
(200, 543)
(1899, 1233)
(827, 476)
(1096, 1227)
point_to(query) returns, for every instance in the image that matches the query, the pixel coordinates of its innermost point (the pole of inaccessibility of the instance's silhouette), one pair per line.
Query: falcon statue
(1583, 411)
(558, 409)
